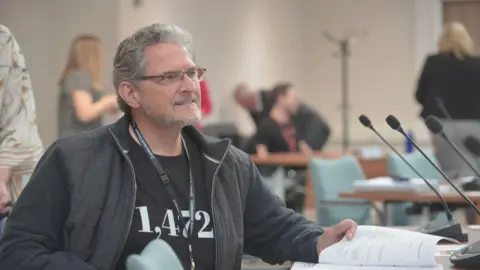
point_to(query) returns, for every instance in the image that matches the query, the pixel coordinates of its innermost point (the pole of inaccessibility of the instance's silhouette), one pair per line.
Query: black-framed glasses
(172, 77)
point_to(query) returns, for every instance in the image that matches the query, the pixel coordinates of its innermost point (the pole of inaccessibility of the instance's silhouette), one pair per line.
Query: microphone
(157, 255)
(393, 122)
(468, 257)
(452, 229)
(473, 145)
(434, 125)
(443, 108)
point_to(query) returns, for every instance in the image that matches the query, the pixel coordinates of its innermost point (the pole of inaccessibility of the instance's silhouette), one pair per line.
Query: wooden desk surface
(410, 196)
(383, 196)
(291, 159)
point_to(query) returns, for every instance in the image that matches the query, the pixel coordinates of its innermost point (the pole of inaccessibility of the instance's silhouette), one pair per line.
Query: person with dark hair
(288, 123)
(258, 104)
(289, 127)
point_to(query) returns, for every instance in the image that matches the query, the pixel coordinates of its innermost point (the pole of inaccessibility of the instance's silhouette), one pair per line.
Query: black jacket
(456, 82)
(76, 211)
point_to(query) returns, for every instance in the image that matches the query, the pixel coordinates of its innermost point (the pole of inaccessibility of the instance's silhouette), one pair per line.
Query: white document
(375, 247)
(318, 266)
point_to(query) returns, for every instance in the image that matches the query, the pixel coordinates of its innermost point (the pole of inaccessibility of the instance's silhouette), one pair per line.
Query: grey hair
(129, 63)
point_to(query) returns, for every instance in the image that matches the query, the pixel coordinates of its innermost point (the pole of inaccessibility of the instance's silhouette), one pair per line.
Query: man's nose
(188, 82)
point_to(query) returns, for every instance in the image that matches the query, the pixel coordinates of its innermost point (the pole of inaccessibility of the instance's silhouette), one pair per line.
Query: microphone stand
(344, 50)
(443, 108)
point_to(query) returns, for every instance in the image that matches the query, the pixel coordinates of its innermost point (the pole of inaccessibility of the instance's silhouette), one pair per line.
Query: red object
(206, 106)
(206, 99)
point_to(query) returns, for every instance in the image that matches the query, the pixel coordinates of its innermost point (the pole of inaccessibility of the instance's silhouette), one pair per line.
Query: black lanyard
(171, 192)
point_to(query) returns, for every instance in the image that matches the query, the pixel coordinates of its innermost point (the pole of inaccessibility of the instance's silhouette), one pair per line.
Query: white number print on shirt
(170, 226)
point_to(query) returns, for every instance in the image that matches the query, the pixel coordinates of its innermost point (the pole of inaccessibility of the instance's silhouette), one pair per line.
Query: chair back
(331, 177)
(396, 166)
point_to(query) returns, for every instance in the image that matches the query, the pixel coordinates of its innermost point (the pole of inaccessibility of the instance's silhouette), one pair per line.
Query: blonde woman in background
(451, 75)
(449, 88)
(20, 144)
(82, 102)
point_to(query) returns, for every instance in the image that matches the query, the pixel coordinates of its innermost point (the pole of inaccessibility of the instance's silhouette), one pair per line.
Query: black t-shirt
(155, 216)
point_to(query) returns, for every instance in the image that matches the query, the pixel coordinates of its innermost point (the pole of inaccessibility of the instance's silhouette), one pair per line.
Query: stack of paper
(379, 248)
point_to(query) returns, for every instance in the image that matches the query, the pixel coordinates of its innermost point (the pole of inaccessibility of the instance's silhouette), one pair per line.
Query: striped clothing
(20, 144)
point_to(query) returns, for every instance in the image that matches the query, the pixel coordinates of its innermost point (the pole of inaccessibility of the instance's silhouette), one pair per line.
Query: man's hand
(346, 228)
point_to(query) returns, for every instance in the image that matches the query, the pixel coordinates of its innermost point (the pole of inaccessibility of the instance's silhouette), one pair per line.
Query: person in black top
(289, 124)
(310, 127)
(94, 198)
(449, 88)
(257, 104)
(450, 77)
(155, 216)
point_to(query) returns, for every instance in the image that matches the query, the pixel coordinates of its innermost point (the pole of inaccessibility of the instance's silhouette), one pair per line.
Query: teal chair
(398, 168)
(334, 176)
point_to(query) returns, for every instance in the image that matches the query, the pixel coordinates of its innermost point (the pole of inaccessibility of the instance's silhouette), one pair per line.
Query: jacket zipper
(211, 199)
(132, 208)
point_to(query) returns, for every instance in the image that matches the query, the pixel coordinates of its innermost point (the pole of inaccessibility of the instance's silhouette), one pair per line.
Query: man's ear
(129, 93)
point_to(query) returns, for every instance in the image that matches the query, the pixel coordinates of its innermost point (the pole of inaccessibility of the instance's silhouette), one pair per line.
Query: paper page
(381, 246)
(318, 266)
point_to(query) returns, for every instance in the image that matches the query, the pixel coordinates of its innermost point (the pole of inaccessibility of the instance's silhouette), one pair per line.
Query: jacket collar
(212, 148)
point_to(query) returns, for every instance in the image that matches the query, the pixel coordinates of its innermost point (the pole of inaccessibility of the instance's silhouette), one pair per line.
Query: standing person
(448, 88)
(82, 102)
(20, 143)
(152, 175)
(450, 79)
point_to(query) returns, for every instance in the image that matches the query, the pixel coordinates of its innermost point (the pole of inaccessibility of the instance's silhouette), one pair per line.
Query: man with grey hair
(100, 196)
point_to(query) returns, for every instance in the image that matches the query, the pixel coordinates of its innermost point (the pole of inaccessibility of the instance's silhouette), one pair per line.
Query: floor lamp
(344, 53)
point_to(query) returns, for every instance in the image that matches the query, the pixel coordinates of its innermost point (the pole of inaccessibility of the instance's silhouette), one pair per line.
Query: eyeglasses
(174, 77)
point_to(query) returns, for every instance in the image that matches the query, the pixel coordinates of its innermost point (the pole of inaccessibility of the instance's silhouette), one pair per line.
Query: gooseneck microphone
(472, 145)
(468, 257)
(434, 125)
(448, 116)
(452, 229)
(367, 123)
(393, 122)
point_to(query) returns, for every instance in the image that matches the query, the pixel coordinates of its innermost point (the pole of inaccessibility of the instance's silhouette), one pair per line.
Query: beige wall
(45, 29)
(258, 41)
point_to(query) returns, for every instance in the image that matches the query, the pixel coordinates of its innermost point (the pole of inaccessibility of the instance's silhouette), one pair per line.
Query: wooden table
(371, 167)
(391, 196)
